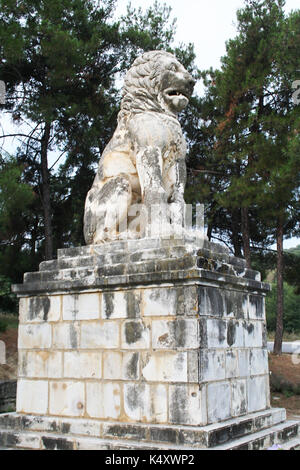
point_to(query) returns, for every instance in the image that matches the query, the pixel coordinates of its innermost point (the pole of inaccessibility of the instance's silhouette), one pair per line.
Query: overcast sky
(208, 24)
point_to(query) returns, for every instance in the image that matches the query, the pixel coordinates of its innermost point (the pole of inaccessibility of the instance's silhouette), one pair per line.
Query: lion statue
(144, 162)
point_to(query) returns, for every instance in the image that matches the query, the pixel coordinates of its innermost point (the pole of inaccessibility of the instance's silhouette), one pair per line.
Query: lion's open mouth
(177, 93)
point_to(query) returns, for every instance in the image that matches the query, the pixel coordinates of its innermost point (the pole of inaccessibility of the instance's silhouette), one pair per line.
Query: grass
(291, 336)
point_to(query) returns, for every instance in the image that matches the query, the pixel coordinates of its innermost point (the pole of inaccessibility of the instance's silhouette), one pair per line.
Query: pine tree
(251, 121)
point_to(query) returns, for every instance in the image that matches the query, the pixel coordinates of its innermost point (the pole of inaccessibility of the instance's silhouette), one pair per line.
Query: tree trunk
(46, 192)
(235, 238)
(279, 317)
(246, 235)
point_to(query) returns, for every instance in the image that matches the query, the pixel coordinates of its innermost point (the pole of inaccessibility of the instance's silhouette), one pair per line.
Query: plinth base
(256, 431)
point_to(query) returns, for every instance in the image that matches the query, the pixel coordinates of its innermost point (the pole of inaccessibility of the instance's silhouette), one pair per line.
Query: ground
(285, 375)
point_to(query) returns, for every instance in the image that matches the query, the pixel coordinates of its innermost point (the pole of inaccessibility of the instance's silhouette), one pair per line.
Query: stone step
(285, 435)
(191, 436)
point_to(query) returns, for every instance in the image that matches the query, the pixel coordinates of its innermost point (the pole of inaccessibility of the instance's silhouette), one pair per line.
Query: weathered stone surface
(252, 431)
(40, 309)
(218, 401)
(78, 364)
(187, 405)
(165, 367)
(146, 139)
(33, 336)
(32, 396)
(40, 364)
(81, 307)
(99, 335)
(179, 347)
(66, 398)
(145, 403)
(103, 400)
(8, 389)
(66, 335)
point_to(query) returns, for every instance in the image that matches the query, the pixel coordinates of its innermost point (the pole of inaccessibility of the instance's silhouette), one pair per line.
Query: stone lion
(144, 162)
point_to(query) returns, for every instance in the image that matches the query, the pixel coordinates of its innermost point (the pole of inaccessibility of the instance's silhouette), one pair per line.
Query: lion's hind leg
(106, 210)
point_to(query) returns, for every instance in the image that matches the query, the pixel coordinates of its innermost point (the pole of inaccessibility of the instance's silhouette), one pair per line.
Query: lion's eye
(173, 67)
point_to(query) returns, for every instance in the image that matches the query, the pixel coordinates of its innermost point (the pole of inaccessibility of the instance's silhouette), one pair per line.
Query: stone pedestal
(159, 342)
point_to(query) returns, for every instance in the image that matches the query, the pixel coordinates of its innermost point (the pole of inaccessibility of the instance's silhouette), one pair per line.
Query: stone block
(159, 301)
(256, 307)
(244, 362)
(212, 365)
(66, 335)
(32, 396)
(257, 393)
(78, 364)
(253, 334)
(236, 304)
(81, 306)
(187, 405)
(193, 366)
(239, 397)
(66, 398)
(173, 334)
(258, 360)
(187, 301)
(235, 334)
(211, 301)
(121, 304)
(216, 333)
(231, 360)
(35, 336)
(103, 400)
(40, 309)
(135, 334)
(145, 403)
(165, 367)
(121, 365)
(103, 334)
(40, 364)
(218, 401)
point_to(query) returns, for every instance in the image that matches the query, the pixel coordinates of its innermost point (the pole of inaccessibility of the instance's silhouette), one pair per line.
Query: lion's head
(156, 82)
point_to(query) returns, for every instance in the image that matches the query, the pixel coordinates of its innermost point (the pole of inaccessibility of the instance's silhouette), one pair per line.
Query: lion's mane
(141, 87)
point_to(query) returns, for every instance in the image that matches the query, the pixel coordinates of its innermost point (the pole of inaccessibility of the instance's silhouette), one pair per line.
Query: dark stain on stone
(136, 432)
(133, 396)
(222, 331)
(257, 304)
(241, 429)
(73, 336)
(133, 305)
(163, 435)
(202, 301)
(220, 436)
(216, 301)
(109, 304)
(65, 428)
(231, 333)
(203, 332)
(249, 327)
(12, 440)
(133, 331)
(37, 305)
(180, 333)
(178, 405)
(132, 367)
(53, 426)
(51, 443)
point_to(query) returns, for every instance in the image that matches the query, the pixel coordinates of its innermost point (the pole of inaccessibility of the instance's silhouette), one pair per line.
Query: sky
(208, 24)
